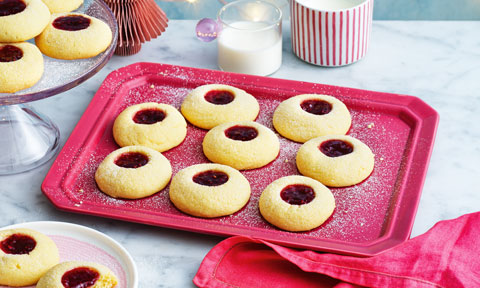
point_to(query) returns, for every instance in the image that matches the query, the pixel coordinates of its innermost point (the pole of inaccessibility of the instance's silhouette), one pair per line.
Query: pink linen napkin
(448, 255)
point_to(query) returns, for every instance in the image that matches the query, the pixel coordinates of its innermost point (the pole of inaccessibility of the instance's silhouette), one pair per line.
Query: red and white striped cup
(330, 32)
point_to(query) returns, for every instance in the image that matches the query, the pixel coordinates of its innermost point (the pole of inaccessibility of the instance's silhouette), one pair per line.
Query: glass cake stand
(27, 138)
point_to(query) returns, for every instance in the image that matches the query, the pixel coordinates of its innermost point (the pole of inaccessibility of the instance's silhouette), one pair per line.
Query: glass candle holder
(250, 37)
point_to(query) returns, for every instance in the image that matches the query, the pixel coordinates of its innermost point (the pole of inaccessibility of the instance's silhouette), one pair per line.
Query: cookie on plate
(209, 190)
(210, 105)
(74, 36)
(303, 117)
(296, 203)
(335, 160)
(158, 126)
(21, 20)
(241, 145)
(133, 172)
(25, 255)
(78, 274)
(21, 66)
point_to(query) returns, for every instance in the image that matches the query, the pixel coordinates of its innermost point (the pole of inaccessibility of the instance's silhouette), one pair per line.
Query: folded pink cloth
(448, 255)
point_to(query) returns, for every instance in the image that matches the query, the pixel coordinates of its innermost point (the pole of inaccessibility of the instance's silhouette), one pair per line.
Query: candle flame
(256, 12)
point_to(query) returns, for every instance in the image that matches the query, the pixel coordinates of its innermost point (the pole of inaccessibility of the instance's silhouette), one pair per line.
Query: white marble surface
(437, 61)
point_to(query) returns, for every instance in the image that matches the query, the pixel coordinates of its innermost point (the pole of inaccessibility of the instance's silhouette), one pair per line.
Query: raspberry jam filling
(18, 244)
(317, 107)
(81, 277)
(297, 194)
(149, 116)
(335, 148)
(241, 133)
(10, 53)
(219, 97)
(71, 23)
(210, 178)
(131, 160)
(10, 7)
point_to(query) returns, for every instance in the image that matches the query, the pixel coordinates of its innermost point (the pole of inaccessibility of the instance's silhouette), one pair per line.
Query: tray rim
(425, 125)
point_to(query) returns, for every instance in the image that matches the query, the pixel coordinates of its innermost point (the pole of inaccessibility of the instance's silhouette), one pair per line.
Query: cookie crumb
(286, 160)
(370, 126)
(152, 86)
(381, 158)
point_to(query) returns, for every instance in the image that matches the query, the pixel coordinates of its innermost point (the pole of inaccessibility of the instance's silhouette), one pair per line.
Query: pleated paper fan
(139, 21)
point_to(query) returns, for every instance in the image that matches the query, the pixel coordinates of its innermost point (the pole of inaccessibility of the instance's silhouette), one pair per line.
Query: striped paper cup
(330, 32)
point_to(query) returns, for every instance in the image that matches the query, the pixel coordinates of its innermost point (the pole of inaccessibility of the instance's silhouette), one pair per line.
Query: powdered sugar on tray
(361, 213)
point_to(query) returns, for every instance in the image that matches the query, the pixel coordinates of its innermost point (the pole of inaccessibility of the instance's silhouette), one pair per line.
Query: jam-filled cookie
(210, 105)
(303, 117)
(335, 160)
(209, 190)
(21, 66)
(133, 172)
(74, 36)
(158, 126)
(60, 6)
(241, 145)
(25, 255)
(76, 274)
(21, 20)
(296, 203)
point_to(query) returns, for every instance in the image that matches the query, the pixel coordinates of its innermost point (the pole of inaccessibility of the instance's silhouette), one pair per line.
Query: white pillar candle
(250, 47)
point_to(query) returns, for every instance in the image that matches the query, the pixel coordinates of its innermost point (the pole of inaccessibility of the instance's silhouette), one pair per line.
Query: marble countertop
(438, 62)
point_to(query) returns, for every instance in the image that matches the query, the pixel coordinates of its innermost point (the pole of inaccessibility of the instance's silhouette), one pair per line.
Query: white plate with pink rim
(80, 243)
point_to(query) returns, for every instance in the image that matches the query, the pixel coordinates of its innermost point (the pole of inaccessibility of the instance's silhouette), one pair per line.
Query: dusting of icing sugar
(361, 210)
(88, 191)
(266, 112)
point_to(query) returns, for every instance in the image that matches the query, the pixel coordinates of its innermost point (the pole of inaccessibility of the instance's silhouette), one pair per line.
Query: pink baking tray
(370, 217)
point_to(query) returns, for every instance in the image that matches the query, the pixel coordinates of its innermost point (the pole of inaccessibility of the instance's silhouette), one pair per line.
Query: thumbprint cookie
(209, 190)
(21, 66)
(74, 36)
(25, 255)
(303, 117)
(241, 145)
(158, 126)
(78, 274)
(60, 6)
(335, 160)
(21, 20)
(296, 203)
(210, 105)
(133, 172)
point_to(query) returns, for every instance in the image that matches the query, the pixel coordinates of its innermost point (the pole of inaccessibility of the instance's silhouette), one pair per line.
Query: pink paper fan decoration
(138, 21)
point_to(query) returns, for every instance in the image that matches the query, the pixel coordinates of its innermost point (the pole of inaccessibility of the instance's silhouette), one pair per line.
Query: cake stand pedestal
(27, 139)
